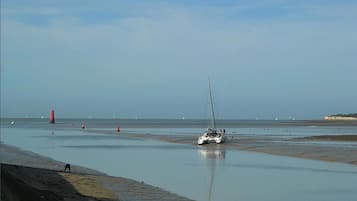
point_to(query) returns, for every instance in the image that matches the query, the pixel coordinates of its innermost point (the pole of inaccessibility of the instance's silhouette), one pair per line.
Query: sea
(190, 170)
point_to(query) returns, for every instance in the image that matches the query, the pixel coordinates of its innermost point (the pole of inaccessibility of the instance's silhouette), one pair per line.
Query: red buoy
(118, 129)
(52, 117)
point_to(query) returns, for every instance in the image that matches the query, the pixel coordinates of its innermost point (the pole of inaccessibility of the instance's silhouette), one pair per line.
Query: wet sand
(314, 148)
(347, 138)
(324, 148)
(31, 177)
(299, 147)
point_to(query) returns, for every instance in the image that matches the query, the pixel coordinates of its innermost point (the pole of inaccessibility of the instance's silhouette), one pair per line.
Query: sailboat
(212, 134)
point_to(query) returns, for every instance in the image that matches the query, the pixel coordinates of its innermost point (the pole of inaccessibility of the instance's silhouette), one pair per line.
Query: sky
(152, 59)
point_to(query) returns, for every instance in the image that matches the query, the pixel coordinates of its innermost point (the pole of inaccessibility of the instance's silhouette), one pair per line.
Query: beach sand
(31, 177)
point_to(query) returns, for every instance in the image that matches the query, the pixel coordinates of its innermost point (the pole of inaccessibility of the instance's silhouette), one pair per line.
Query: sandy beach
(29, 176)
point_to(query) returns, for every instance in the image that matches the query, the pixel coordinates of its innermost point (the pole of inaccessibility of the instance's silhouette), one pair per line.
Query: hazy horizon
(151, 59)
(151, 118)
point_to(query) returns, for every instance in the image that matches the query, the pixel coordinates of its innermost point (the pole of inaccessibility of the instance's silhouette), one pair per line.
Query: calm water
(192, 127)
(192, 171)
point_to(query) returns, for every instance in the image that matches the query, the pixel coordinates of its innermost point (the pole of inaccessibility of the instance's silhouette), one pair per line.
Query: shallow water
(192, 171)
(193, 127)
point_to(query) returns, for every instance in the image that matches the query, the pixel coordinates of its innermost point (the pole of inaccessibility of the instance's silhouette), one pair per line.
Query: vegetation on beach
(351, 116)
(344, 115)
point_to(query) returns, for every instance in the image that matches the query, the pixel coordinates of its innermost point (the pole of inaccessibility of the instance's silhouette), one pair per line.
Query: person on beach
(67, 166)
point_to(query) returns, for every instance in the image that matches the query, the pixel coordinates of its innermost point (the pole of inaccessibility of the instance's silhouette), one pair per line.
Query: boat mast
(211, 102)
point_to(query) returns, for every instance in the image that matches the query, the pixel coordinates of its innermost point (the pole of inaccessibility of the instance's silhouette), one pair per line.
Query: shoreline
(330, 148)
(42, 178)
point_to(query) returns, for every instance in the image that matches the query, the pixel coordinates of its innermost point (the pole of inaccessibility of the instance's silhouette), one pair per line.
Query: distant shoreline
(172, 119)
(342, 117)
(169, 123)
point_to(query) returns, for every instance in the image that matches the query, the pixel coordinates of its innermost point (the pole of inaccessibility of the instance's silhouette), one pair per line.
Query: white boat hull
(205, 139)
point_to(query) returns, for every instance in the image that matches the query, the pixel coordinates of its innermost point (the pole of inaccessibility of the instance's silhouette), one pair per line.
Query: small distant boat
(12, 122)
(212, 134)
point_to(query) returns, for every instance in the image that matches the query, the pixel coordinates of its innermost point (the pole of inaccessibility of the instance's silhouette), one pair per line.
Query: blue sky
(151, 59)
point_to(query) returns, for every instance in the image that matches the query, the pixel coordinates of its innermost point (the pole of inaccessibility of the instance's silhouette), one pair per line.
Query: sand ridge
(314, 147)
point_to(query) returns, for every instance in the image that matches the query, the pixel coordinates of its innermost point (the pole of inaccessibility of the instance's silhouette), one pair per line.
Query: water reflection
(211, 156)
